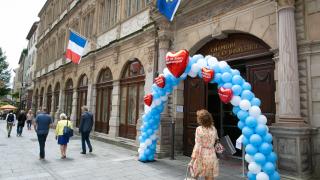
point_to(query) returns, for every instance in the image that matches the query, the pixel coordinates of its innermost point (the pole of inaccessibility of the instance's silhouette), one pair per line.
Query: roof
(32, 30)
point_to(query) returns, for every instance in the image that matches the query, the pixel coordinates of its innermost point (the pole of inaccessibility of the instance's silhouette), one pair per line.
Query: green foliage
(15, 95)
(4, 75)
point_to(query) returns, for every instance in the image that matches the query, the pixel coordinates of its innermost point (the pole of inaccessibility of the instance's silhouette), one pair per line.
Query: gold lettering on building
(229, 48)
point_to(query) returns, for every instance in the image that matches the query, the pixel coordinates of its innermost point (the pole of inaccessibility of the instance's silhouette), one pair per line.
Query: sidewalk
(19, 160)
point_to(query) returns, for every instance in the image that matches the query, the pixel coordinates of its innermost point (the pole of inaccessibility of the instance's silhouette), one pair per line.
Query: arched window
(82, 96)
(41, 98)
(68, 97)
(56, 97)
(36, 97)
(49, 98)
(103, 101)
(132, 92)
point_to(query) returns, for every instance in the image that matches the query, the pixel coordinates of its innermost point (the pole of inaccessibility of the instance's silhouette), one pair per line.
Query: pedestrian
(41, 126)
(204, 162)
(85, 128)
(11, 118)
(63, 139)
(29, 119)
(21, 121)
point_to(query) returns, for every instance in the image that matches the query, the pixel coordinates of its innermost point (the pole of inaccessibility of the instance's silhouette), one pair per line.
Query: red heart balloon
(148, 99)
(207, 74)
(225, 95)
(160, 81)
(177, 62)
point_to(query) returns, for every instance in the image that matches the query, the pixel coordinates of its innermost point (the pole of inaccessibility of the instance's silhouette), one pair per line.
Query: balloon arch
(231, 88)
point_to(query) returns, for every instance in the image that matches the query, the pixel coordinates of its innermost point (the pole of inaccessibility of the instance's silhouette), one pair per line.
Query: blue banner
(168, 8)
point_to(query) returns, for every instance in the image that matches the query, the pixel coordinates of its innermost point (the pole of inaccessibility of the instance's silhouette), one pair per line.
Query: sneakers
(90, 150)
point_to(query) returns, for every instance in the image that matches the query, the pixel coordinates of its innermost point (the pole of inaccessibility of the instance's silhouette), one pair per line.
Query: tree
(4, 75)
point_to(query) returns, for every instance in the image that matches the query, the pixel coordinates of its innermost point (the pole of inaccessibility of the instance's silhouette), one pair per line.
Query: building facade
(274, 44)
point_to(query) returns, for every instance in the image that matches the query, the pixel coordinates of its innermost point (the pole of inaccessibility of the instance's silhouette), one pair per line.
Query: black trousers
(85, 139)
(42, 143)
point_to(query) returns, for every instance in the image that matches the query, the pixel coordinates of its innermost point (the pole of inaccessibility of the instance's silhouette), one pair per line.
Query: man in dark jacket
(21, 121)
(11, 118)
(85, 128)
(41, 126)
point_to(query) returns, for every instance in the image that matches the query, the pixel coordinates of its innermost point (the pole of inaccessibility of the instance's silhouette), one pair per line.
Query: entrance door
(82, 101)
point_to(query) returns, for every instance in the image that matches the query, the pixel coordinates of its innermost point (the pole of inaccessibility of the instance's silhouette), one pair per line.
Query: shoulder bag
(67, 131)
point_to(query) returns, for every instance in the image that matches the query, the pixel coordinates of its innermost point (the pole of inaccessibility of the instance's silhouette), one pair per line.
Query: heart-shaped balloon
(160, 81)
(225, 94)
(207, 74)
(148, 99)
(177, 62)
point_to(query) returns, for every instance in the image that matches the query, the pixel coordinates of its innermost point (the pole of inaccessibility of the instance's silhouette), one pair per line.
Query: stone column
(114, 122)
(60, 108)
(292, 136)
(73, 116)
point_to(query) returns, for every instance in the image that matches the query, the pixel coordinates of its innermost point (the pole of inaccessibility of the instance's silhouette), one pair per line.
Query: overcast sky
(16, 19)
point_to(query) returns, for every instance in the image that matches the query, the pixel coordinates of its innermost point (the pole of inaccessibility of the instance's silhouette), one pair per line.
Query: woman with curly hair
(204, 161)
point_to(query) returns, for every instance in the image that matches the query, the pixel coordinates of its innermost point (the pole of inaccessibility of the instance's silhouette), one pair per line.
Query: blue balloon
(272, 157)
(259, 158)
(236, 89)
(200, 74)
(251, 122)
(245, 141)
(237, 79)
(149, 132)
(141, 139)
(235, 72)
(143, 158)
(226, 77)
(255, 102)
(267, 138)
(246, 86)
(235, 109)
(251, 150)
(251, 176)
(144, 135)
(242, 115)
(196, 57)
(147, 152)
(151, 157)
(225, 68)
(268, 168)
(265, 148)
(246, 131)
(246, 94)
(255, 139)
(227, 85)
(261, 129)
(240, 124)
(217, 78)
(216, 68)
(275, 176)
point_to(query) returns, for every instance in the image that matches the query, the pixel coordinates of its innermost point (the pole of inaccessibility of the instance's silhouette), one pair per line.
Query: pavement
(19, 159)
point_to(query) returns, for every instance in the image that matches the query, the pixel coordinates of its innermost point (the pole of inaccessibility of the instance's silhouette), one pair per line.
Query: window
(134, 6)
(82, 96)
(69, 97)
(61, 42)
(49, 98)
(103, 101)
(108, 14)
(56, 97)
(87, 24)
(131, 98)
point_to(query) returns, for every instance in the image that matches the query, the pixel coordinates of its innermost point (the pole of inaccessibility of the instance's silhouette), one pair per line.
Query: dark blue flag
(168, 8)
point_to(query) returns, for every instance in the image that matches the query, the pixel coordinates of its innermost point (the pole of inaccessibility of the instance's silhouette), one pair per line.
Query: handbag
(188, 175)
(219, 147)
(67, 131)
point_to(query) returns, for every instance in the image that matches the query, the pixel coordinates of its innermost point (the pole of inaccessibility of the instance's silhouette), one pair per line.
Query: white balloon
(192, 74)
(195, 68)
(255, 111)
(235, 100)
(245, 105)
(166, 71)
(148, 142)
(222, 64)
(262, 119)
(201, 63)
(262, 176)
(254, 168)
(164, 98)
(143, 146)
(157, 102)
(140, 150)
(248, 158)
(146, 109)
(212, 61)
(153, 137)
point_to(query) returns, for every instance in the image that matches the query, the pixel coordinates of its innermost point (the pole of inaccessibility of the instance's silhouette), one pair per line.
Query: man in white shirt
(11, 118)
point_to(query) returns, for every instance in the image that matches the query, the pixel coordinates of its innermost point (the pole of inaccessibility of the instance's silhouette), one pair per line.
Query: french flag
(75, 47)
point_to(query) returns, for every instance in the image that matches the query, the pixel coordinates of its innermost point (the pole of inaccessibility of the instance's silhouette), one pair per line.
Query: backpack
(10, 117)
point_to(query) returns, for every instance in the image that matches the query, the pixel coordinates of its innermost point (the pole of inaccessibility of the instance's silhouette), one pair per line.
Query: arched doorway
(68, 97)
(252, 57)
(103, 101)
(49, 99)
(41, 98)
(131, 93)
(36, 97)
(56, 97)
(82, 96)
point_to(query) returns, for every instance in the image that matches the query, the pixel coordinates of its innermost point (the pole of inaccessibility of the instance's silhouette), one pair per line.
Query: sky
(16, 19)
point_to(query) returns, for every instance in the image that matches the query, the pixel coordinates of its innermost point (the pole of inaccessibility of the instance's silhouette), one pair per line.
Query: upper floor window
(87, 24)
(108, 14)
(134, 6)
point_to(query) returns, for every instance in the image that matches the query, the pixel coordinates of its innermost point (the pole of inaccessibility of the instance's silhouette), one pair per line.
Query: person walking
(204, 161)
(29, 119)
(21, 121)
(41, 126)
(63, 139)
(85, 128)
(11, 118)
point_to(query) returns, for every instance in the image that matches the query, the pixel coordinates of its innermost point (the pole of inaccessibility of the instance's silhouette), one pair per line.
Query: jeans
(85, 138)
(29, 123)
(42, 142)
(19, 129)
(9, 128)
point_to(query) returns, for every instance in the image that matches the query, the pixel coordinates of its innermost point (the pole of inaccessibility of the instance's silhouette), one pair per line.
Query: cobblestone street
(19, 160)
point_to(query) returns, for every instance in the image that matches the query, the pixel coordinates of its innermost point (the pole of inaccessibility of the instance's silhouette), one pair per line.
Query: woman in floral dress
(204, 161)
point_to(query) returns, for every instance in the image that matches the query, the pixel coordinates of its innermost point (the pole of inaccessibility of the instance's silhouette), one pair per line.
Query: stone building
(274, 44)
